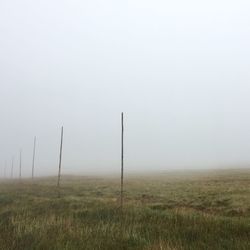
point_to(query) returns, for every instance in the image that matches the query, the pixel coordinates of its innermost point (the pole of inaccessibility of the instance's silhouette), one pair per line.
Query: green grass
(199, 210)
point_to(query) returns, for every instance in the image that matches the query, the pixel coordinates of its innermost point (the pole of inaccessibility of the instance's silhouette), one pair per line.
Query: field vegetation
(168, 210)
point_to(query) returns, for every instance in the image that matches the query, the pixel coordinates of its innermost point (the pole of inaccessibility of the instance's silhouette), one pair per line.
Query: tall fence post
(33, 158)
(5, 166)
(20, 165)
(60, 162)
(122, 157)
(12, 167)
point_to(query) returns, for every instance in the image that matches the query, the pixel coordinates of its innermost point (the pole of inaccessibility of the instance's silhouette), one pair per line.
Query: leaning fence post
(60, 163)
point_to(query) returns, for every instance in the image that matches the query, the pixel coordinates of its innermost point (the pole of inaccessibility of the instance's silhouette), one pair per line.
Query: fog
(179, 70)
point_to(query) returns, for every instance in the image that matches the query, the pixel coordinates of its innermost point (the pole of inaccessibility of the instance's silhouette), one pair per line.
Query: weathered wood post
(12, 167)
(20, 165)
(33, 158)
(122, 158)
(5, 166)
(60, 163)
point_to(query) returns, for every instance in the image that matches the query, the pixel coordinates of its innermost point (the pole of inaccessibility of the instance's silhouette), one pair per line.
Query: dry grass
(209, 210)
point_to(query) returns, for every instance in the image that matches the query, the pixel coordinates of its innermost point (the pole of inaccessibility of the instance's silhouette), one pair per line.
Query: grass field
(171, 210)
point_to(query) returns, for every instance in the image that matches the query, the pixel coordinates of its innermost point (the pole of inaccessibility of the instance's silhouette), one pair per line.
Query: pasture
(168, 210)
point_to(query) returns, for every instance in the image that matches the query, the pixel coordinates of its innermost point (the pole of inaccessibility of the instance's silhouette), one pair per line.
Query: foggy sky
(179, 70)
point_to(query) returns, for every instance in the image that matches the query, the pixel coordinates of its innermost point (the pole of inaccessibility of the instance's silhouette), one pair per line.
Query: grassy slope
(171, 211)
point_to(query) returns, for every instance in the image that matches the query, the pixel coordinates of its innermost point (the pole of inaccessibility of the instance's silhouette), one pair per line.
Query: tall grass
(195, 212)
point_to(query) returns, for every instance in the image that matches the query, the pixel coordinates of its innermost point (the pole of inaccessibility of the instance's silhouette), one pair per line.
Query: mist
(178, 70)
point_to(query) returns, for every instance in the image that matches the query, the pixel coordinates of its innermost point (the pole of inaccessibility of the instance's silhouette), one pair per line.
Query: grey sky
(178, 69)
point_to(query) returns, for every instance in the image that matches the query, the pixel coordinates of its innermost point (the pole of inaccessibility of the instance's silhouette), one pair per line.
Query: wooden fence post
(20, 165)
(12, 167)
(60, 161)
(33, 159)
(122, 157)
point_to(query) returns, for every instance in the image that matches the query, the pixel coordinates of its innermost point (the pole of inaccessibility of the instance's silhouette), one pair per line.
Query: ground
(168, 210)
